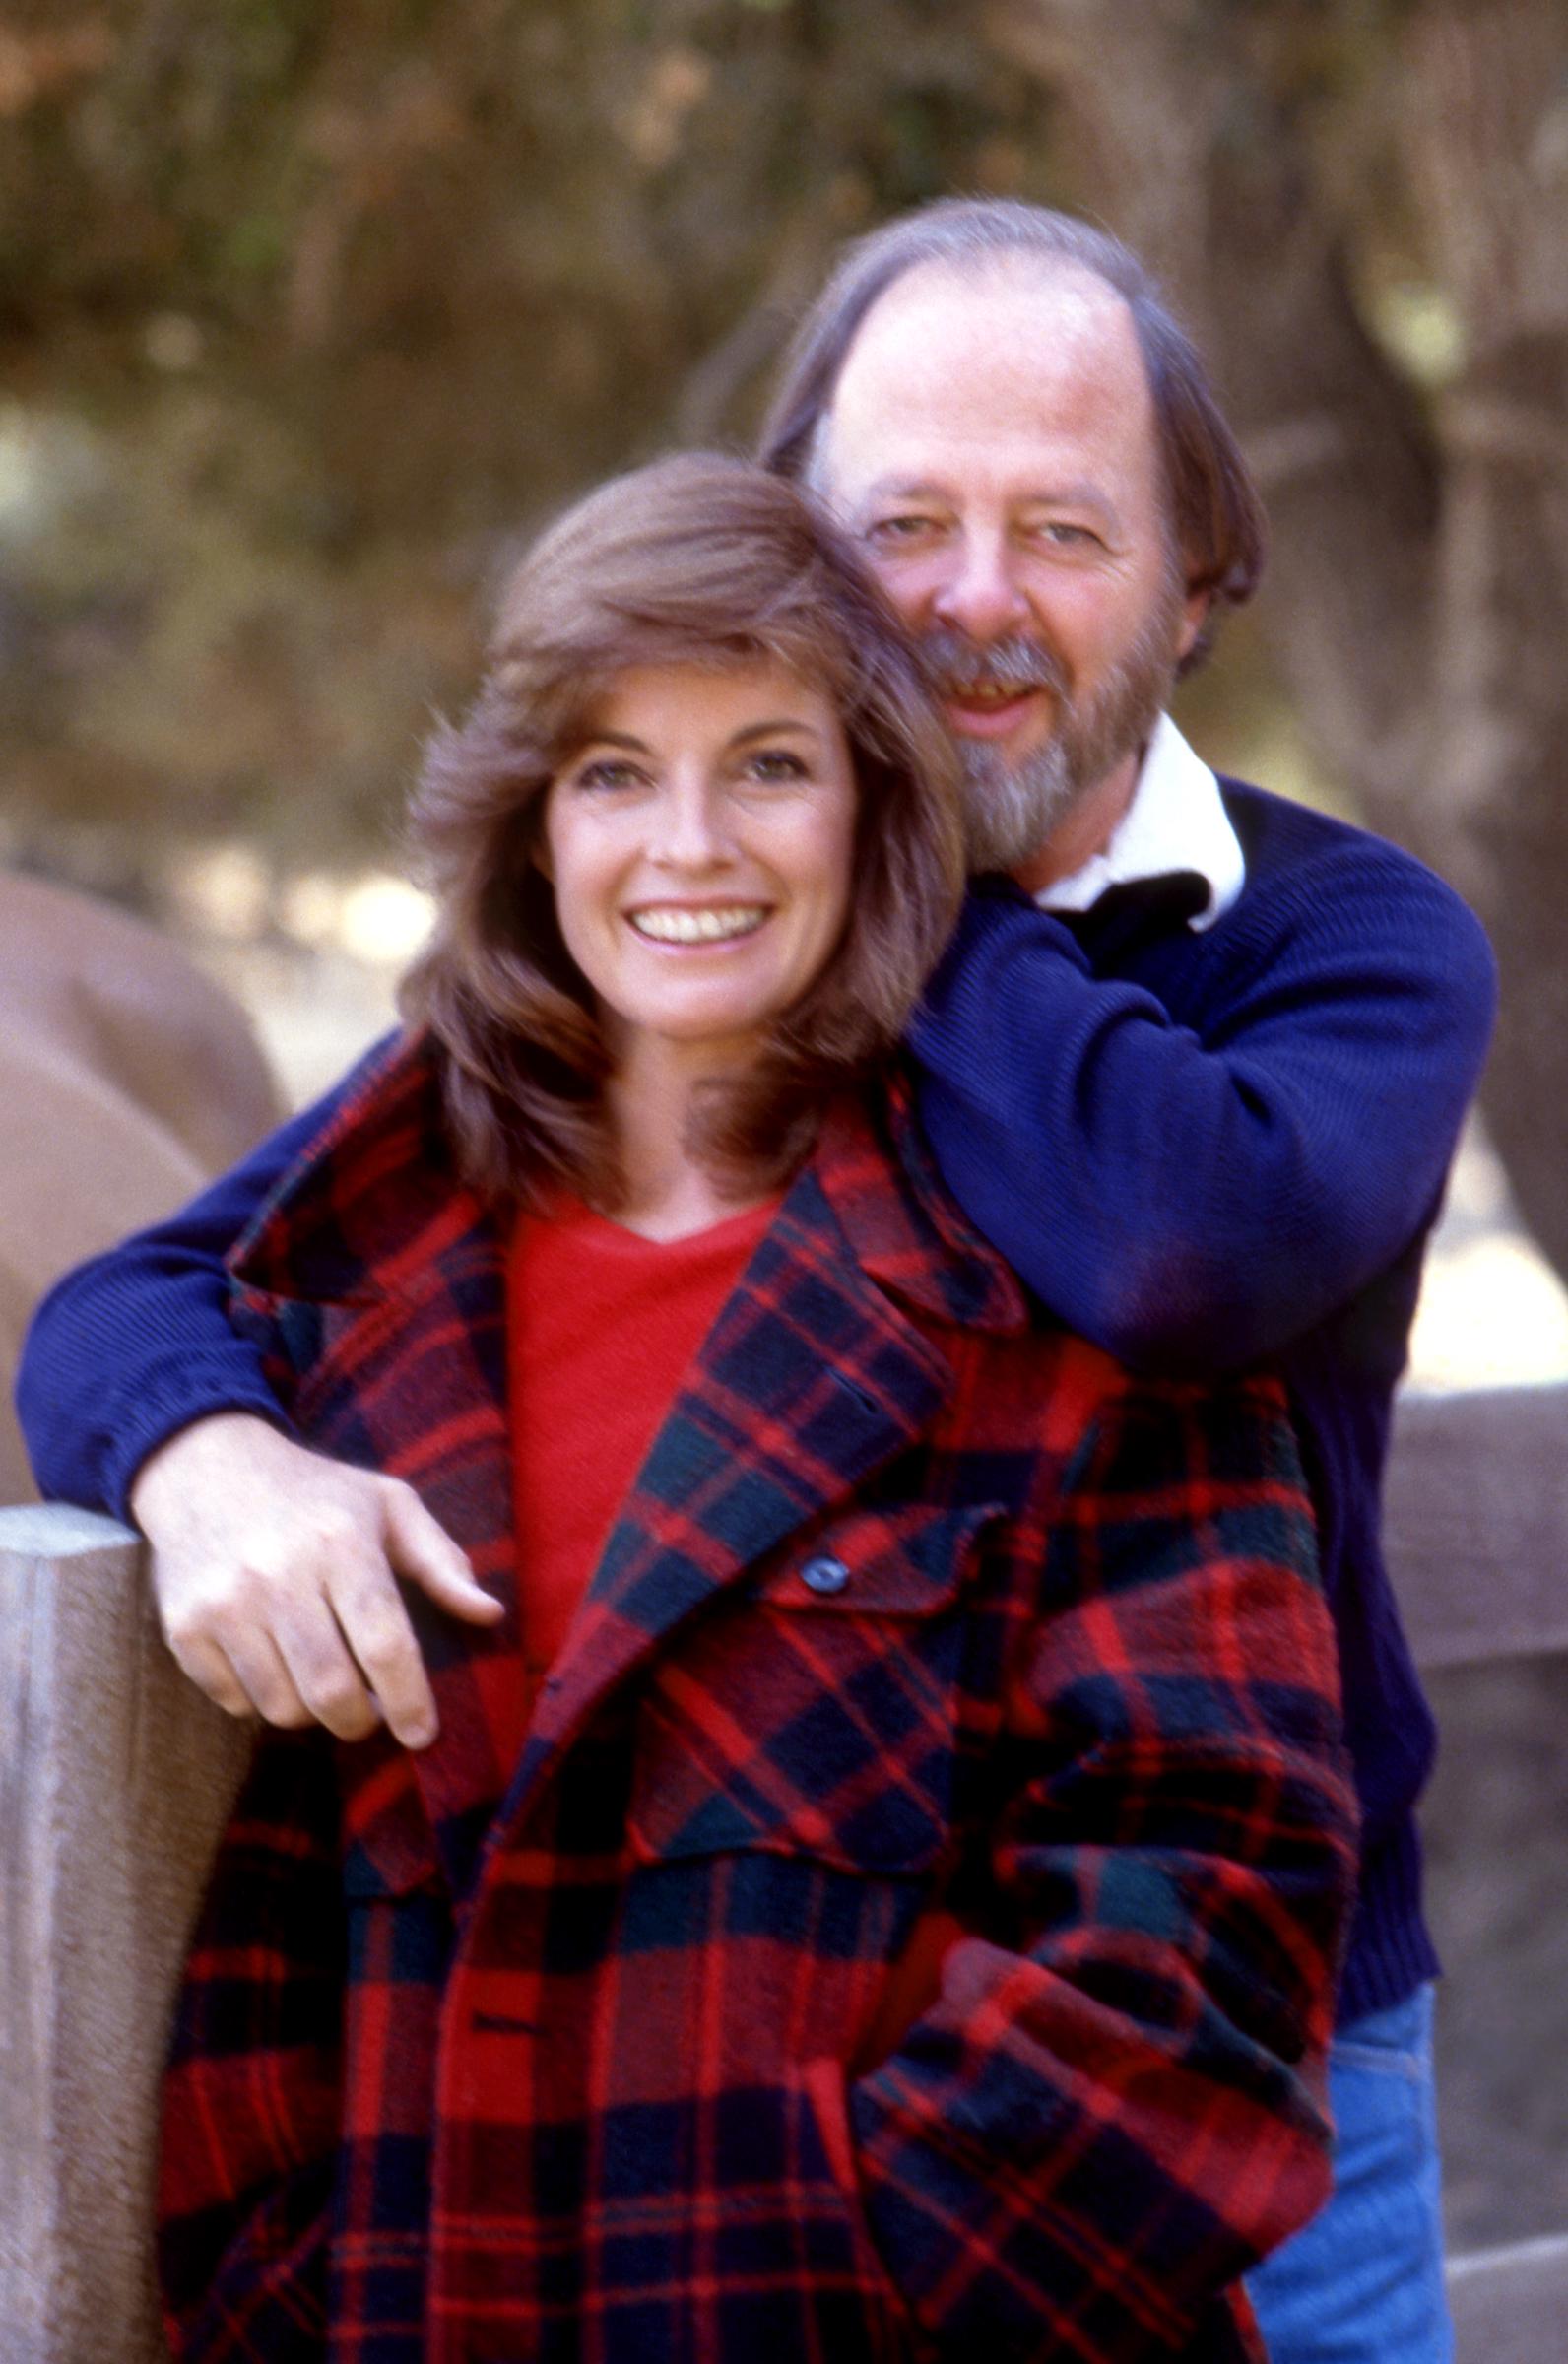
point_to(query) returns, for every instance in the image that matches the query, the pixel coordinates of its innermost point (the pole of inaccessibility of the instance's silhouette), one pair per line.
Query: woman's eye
(775, 768)
(606, 773)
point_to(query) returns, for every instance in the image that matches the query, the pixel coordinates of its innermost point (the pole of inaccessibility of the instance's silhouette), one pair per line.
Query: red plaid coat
(552, 2044)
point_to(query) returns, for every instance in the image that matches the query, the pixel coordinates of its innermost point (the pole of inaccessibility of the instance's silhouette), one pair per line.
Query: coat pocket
(814, 1711)
(400, 1932)
(824, 2099)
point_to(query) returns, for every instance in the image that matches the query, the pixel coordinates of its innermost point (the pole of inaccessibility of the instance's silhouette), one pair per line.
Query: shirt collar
(1176, 822)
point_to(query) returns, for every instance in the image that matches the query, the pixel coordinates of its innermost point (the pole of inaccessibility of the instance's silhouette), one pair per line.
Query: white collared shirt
(1177, 820)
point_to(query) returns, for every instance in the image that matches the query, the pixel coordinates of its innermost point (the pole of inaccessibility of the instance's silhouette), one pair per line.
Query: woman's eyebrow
(742, 738)
(771, 729)
(635, 747)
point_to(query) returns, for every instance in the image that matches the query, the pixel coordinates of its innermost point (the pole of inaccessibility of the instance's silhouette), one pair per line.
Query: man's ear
(1194, 615)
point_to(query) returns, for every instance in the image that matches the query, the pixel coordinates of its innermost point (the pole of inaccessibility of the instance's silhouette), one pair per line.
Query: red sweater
(601, 1326)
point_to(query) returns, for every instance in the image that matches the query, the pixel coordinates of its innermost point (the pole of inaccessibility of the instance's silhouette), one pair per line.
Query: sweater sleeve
(137, 1343)
(1193, 1196)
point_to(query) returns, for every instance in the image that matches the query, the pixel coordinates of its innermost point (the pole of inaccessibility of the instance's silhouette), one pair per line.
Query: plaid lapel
(813, 1377)
(810, 1381)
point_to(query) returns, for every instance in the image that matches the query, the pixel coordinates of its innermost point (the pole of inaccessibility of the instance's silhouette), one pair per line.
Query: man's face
(991, 445)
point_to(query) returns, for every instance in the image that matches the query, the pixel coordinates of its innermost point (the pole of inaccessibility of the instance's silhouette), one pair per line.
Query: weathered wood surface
(1475, 1523)
(1511, 2304)
(115, 1776)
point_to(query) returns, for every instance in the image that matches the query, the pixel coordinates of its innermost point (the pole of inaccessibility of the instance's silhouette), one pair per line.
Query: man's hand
(275, 1577)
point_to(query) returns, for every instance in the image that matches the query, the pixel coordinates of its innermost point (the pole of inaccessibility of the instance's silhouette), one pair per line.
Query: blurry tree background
(310, 309)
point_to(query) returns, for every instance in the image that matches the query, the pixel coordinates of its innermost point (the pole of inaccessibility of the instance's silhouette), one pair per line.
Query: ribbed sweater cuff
(189, 1393)
(1391, 1951)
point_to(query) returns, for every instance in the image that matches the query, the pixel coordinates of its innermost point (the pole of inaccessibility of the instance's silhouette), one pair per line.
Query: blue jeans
(1363, 2282)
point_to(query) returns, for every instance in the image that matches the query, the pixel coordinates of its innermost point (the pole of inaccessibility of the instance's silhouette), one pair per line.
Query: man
(1196, 1063)
(1206, 1098)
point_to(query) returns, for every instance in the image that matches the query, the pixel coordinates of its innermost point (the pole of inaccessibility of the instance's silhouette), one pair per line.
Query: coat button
(825, 1575)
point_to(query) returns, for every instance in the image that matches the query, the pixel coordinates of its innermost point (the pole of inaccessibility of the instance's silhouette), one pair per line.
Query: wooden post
(115, 1779)
(1475, 1527)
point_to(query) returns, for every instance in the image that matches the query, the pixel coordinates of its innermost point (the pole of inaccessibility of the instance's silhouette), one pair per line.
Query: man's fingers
(320, 1663)
(277, 1571)
(266, 1681)
(376, 1629)
(420, 1550)
(208, 1668)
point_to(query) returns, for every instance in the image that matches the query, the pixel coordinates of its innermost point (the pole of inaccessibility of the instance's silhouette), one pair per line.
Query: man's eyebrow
(1077, 493)
(902, 487)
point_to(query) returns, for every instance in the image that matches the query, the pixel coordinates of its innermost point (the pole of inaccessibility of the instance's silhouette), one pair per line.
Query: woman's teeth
(677, 926)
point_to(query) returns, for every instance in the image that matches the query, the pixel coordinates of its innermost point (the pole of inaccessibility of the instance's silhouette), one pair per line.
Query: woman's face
(701, 843)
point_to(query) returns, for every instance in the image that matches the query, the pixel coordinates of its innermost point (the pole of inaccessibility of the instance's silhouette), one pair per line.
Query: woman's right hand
(275, 1575)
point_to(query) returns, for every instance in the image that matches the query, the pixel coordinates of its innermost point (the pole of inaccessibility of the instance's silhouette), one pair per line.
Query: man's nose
(982, 596)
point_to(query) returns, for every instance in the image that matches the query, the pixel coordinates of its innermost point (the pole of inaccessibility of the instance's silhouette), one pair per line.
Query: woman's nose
(690, 830)
(982, 596)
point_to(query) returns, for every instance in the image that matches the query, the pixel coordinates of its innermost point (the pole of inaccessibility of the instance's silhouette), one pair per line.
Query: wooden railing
(1476, 1528)
(115, 1777)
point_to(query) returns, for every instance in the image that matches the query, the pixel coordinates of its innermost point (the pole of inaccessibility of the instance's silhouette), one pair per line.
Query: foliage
(308, 307)
(1361, 206)
(306, 310)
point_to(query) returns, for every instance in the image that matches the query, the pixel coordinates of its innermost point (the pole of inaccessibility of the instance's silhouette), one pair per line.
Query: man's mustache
(960, 665)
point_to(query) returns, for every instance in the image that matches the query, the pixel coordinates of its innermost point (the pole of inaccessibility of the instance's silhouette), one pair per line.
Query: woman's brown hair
(699, 560)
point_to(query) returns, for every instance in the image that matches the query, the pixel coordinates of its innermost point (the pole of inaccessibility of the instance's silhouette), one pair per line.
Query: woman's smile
(700, 924)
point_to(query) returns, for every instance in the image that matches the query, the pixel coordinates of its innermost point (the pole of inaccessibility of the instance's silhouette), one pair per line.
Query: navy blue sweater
(1198, 1148)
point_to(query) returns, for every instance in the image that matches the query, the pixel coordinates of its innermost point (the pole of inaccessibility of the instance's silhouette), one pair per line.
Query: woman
(875, 1888)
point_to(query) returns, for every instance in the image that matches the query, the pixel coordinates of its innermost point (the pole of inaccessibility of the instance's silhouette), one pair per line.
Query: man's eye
(1059, 535)
(775, 768)
(887, 532)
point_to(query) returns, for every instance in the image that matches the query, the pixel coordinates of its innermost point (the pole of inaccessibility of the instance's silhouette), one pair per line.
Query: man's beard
(1013, 807)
